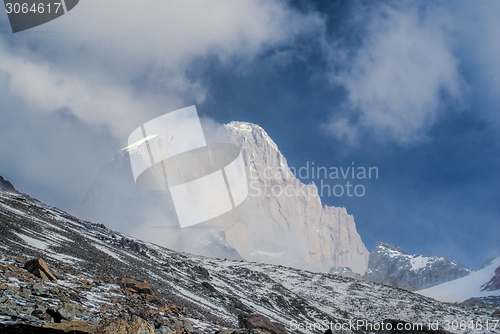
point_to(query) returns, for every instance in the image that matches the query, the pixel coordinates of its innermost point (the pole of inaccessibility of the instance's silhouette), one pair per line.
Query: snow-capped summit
(272, 225)
(393, 265)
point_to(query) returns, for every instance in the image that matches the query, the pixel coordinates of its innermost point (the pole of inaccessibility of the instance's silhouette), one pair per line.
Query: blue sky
(412, 88)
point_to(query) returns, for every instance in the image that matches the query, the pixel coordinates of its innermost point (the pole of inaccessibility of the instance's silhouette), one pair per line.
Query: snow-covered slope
(473, 285)
(291, 228)
(393, 265)
(224, 288)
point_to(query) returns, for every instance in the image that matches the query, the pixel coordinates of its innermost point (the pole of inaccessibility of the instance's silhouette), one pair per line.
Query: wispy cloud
(401, 76)
(112, 65)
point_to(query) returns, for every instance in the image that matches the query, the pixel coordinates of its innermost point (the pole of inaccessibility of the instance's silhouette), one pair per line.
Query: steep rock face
(392, 265)
(282, 220)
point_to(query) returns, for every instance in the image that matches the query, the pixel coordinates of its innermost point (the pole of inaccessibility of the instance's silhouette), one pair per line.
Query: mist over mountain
(282, 221)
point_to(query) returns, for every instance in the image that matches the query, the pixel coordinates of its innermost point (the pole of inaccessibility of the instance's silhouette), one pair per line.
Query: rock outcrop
(119, 325)
(392, 265)
(39, 268)
(73, 326)
(6, 185)
(137, 286)
(494, 282)
(258, 321)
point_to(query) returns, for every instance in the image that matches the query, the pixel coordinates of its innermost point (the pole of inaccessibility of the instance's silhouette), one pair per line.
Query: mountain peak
(6, 185)
(392, 265)
(382, 245)
(255, 130)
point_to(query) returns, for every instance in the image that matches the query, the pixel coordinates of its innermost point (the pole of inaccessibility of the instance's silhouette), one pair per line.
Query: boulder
(118, 325)
(39, 268)
(208, 286)
(201, 271)
(137, 286)
(73, 326)
(39, 289)
(258, 321)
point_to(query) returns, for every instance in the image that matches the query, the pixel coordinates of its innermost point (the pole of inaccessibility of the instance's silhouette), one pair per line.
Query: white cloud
(398, 78)
(104, 52)
(115, 65)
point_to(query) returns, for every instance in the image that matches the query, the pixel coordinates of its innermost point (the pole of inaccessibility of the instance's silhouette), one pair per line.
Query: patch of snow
(109, 252)
(419, 262)
(464, 288)
(268, 255)
(33, 242)
(63, 257)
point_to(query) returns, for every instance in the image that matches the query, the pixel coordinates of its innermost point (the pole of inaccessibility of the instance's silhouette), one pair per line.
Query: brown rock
(120, 326)
(73, 326)
(140, 326)
(258, 321)
(20, 260)
(137, 286)
(112, 326)
(39, 268)
(86, 282)
(243, 331)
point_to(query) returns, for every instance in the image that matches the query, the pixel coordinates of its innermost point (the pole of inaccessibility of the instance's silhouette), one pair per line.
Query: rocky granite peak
(392, 265)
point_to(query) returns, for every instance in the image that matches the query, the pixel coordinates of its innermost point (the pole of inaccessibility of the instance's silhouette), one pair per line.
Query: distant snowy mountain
(392, 265)
(291, 228)
(344, 272)
(481, 283)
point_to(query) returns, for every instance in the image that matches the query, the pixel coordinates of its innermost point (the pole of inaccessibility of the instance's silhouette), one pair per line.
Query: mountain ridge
(392, 265)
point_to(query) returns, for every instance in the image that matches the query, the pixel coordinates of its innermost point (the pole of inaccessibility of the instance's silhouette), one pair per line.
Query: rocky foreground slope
(393, 266)
(272, 225)
(188, 293)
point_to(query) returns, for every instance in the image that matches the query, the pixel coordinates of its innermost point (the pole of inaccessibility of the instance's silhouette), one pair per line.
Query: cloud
(107, 52)
(401, 77)
(111, 65)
